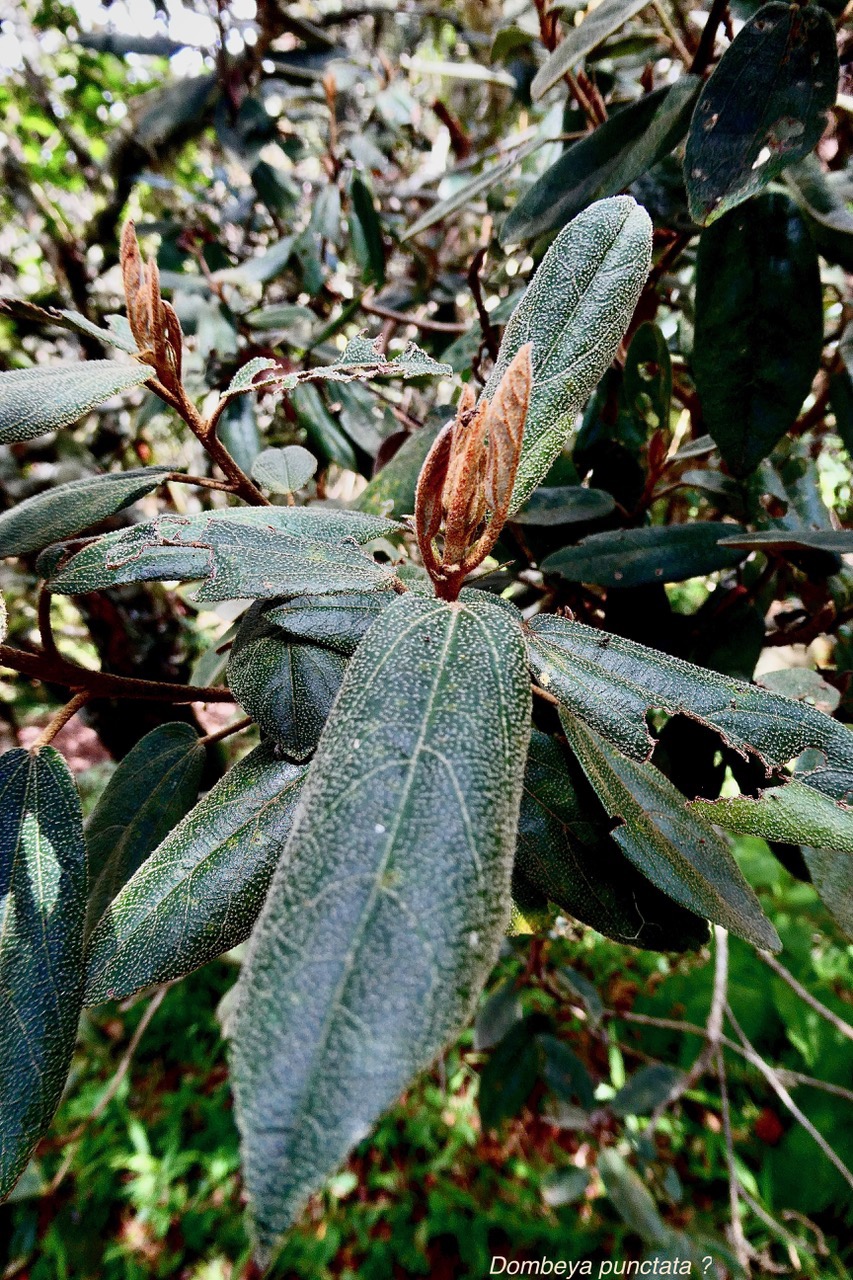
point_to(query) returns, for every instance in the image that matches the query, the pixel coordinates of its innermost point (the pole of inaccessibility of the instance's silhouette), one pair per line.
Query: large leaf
(575, 313)
(821, 201)
(271, 550)
(759, 326)
(601, 22)
(33, 401)
(634, 557)
(833, 540)
(604, 162)
(42, 909)
(611, 683)
(338, 621)
(763, 107)
(389, 906)
(286, 687)
(151, 790)
(793, 813)
(832, 876)
(677, 849)
(117, 335)
(69, 508)
(199, 892)
(565, 851)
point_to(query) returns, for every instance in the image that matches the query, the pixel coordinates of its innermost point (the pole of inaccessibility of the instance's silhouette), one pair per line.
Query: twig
(219, 734)
(672, 32)
(752, 1055)
(812, 1001)
(738, 1239)
(490, 336)
(789, 1240)
(61, 718)
(103, 684)
(708, 38)
(203, 482)
(419, 322)
(48, 639)
(543, 693)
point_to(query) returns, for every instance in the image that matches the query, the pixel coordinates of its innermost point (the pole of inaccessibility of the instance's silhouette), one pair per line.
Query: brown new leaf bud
(505, 423)
(153, 322)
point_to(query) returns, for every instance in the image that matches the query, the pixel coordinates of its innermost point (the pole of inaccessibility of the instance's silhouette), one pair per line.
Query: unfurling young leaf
(388, 907)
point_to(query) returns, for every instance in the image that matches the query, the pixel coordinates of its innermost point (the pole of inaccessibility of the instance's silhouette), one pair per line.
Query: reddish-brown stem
(48, 639)
(103, 684)
(708, 38)
(61, 718)
(235, 727)
(203, 482)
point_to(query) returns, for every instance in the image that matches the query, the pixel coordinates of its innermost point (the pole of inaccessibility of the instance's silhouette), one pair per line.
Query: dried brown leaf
(505, 423)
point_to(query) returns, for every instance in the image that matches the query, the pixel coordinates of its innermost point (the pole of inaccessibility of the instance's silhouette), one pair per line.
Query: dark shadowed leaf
(647, 381)
(46, 397)
(631, 1198)
(69, 508)
(837, 540)
(151, 790)
(497, 1016)
(648, 1086)
(608, 17)
(199, 892)
(368, 245)
(759, 326)
(42, 909)
(668, 842)
(763, 107)
(565, 1074)
(510, 1073)
(338, 621)
(659, 553)
(564, 504)
(237, 428)
(388, 909)
(392, 490)
(822, 204)
(832, 876)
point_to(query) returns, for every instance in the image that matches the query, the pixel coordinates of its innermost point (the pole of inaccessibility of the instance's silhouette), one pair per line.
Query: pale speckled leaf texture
(611, 683)
(42, 910)
(263, 551)
(575, 313)
(66, 509)
(338, 621)
(151, 790)
(676, 848)
(199, 892)
(46, 397)
(389, 905)
(287, 687)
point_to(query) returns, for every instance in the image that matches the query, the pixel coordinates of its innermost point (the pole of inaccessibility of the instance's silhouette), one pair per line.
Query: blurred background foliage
(304, 171)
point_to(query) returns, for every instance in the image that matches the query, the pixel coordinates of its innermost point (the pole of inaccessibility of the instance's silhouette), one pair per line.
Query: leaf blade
(45, 398)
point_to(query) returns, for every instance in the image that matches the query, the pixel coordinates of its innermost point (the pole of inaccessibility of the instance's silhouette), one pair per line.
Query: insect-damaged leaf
(42, 908)
(239, 550)
(388, 908)
(68, 508)
(759, 326)
(46, 397)
(199, 892)
(659, 553)
(668, 842)
(287, 687)
(151, 790)
(763, 107)
(575, 313)
(610, 683)
(565, 851)
(338, 621)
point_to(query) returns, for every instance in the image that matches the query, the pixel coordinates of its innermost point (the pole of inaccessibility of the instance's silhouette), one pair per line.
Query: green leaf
(69, 508)
(793, 813)
(388, 910)
(565, 850)
(634, 557)
(199, 892)
(151, 790)
(284, 470)
(601, 22)
(367, 231)
(832, 876)
(763, 107)
(821, 202)
(759, 326)
(465, 194)
(287, 688)
(323, 431)
(670, 844)
(604, 162)
(631, 1198)
(835, 540)
(247, 377)
(507, 1079)
(291, 540)
(647, 381)
(46, 397)
(648, 1087)
(42, 908)
(564, 504)
(497, 1016)
(392, 489)
(237, 428)
(338, 621)
(575, 313)
(364, 358)
(114, 336)
(565, 1074)
(611, 683)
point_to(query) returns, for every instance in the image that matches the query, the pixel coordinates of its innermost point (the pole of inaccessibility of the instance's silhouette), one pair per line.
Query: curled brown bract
(152, 321)
(466, 482)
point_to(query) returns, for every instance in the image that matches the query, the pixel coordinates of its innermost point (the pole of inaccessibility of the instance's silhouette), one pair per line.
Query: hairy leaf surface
(338, 621)
(199, 892)
(46, 397)
(388, 908)
(42, 909)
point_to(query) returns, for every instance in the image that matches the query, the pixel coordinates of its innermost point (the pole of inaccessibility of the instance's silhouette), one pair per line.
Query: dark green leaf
(564, 504)
(69, 508)
(286, 687)
(564, 1186)
(839, 540)
(832, 876)
(565, 850)
(565, 1074)
(497, 1017)
(611, 683)
(823, 206)
(338, 621)
(647, 380)
(631, 1198)
(199, 892)
(42, 909)
(284, 470)
(388, 910)
(237, 428)
(658, 553)
(575, 313)
(604, 162)
(509, 1075)
(151, 790)
(669, 843)
(647, 1088)
(793, 813)
(759, 326)
(763, 107)
(46, 397)
(368, 244)
(606, 18)
(324, 433)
